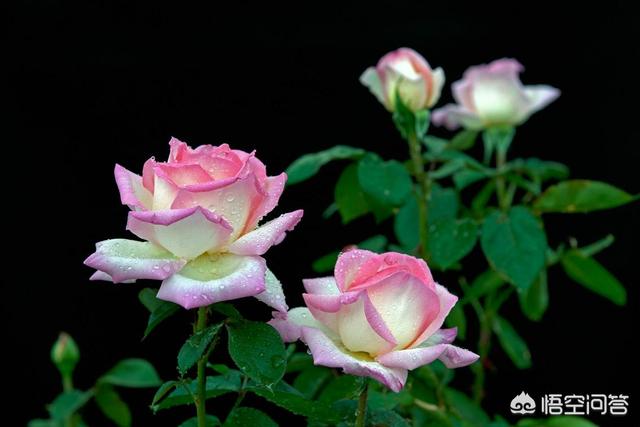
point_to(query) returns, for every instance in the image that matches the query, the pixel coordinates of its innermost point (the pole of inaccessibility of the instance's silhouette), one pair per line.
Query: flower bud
(65, 354)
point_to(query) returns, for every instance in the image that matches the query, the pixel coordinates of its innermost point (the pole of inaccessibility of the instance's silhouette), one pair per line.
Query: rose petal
(540, 96)
(385, 265)
(187, 233)
(371, 80)
(235, 201)
(273, 188)
(101, 275)
(132, 192)
(213, 278)
(290, 324)
(447, 301)
(438, 84)
(406, 305)
(450, 355)
(453, 116)
(321, 286)
(273, 295)
(356, 333)
(124, 260)
(258, 241)
(325, 352)
(182, 175)
(349, 264)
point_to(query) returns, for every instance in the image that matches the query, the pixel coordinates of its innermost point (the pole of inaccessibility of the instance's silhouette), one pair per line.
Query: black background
(95, 83)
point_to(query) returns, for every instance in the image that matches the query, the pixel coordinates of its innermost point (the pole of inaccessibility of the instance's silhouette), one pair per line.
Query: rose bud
(406, 73)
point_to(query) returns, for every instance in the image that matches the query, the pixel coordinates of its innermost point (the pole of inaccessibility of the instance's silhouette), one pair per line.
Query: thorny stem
(423, 192)
(202, 364)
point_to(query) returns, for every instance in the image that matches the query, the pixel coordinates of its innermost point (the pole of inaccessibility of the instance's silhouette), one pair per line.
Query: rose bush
(406, 73)
(198, 214)
(379, 316)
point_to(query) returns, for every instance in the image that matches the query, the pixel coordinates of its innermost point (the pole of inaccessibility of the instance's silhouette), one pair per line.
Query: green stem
(67, 383)
(67, 386)
(201, 394)
(483, 351)
(501, 160)
(361, 412)
(423, 192)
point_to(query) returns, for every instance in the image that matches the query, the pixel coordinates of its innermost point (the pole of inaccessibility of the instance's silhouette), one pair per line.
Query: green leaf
(450, 240)
(483, 284)
(448, 169)
(243, 417)
(327, 262)
(210, 421)
(215, 386)
(405, 224)
(479, 202)
(457, 319)
(311, 380)
(581, 196)
(592, 275)
(350, 198)
(112, 406)
(258, 351)
(67, 403)
(299, 362)
(387, 182)
(308, 165)
(227, 309)
(287, 397)
(541, 170)
(132, 373)
(597, 246)
(342, 387)
(387, 418)
(464, 140)
(435, 145)
(535, 300)
(512, 344)
(147, 297)
(163, 390)
(465, 177)
(160, 310)
(443, 204)
(467, 409)
(193, 349)
(515, 245)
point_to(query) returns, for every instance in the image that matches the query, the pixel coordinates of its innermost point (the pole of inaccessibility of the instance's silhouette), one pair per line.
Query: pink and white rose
(407, 73)
(380, 316)
(198, 215)
(492, 94)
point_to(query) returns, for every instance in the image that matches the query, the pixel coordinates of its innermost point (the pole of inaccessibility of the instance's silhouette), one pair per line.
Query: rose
(198, 214)
(491, 95)
(380, 316)
(408, 74)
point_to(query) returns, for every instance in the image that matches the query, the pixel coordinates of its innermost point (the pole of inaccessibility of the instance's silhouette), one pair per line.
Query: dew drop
(230, 198)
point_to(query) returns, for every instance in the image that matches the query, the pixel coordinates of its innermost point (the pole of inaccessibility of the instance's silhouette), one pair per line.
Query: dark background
(93, 83)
